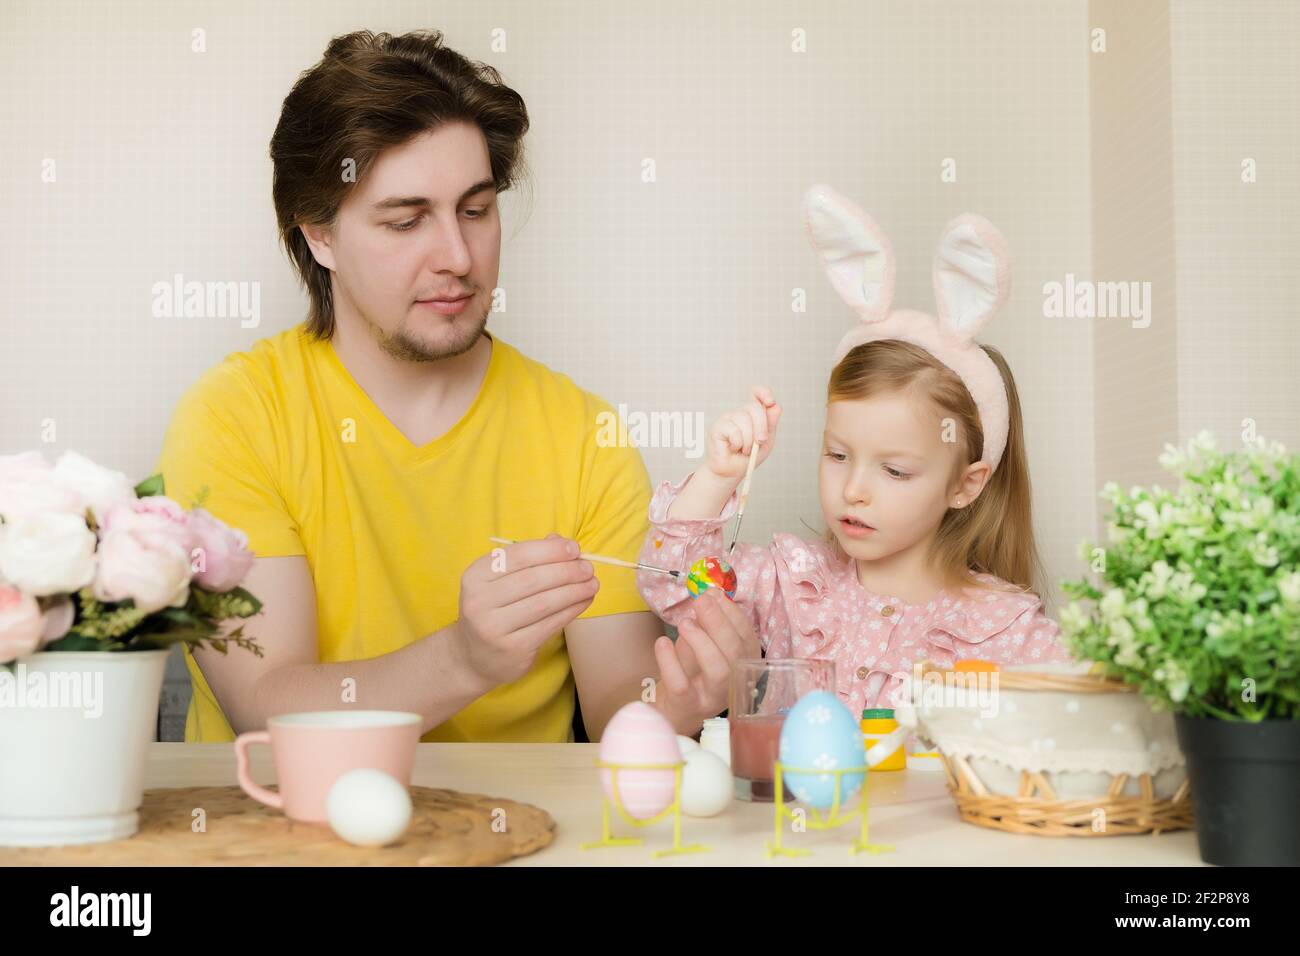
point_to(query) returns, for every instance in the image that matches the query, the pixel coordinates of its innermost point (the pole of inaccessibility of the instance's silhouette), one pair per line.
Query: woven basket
(1036, 808)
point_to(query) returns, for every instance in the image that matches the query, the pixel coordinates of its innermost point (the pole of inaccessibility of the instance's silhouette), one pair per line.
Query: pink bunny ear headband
(972, 279)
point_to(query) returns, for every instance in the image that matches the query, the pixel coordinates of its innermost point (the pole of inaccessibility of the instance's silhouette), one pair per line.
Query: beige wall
(1135, 368)
(675, 295)
(1236, 78)
(1182, 97)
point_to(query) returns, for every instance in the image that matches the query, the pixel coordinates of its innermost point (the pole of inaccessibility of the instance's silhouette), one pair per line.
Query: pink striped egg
(639, 734)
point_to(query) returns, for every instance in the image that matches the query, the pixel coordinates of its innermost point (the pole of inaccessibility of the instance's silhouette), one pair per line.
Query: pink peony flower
(57, 619)
(223, 552)
(155, 514)
(147, 561)
(21, 626)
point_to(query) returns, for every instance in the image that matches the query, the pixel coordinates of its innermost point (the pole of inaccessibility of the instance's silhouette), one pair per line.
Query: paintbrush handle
(749, 474)
(744, 495)
(605, 559)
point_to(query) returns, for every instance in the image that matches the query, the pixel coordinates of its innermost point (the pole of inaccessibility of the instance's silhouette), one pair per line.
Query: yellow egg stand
(835, 818)
(674, 808)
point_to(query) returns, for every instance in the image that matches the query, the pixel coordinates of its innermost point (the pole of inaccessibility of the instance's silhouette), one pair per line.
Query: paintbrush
(605, 559)
(744, 494)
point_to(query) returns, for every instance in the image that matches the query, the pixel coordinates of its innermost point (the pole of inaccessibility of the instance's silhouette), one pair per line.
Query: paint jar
(716, 738)
(877, 724)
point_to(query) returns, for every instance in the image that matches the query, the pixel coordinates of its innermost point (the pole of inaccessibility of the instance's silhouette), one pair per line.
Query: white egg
(707, 787)
(686, 744)
(368, 808)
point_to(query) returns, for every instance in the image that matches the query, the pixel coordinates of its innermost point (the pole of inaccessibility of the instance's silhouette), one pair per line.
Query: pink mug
(312, 750)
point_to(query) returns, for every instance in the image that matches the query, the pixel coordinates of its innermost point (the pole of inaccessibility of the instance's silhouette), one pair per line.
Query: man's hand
(510, 606)
(695, 672)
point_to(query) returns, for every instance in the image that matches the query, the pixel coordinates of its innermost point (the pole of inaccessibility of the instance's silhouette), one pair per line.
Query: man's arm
(611, 656)
(504, 617)
(428, 677)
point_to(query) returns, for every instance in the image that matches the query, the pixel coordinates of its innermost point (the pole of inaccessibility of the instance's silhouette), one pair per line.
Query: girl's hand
(733, 435)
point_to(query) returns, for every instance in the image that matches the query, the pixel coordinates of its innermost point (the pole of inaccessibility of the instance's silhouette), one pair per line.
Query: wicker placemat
(448, 828)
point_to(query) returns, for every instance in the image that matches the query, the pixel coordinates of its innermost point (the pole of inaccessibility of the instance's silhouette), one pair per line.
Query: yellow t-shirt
(293, 451)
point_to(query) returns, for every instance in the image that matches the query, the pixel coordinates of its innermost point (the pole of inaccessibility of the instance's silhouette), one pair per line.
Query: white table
(909, 809)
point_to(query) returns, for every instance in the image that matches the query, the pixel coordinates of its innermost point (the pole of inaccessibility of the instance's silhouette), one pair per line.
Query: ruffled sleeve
(806, 575)
(1007, 627)
(677, 543)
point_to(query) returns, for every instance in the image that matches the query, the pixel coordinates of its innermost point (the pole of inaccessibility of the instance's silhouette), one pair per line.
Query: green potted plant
(1195, 601)
(97, 580)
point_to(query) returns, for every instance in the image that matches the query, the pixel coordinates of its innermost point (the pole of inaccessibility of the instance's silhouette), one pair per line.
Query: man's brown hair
(368, 93)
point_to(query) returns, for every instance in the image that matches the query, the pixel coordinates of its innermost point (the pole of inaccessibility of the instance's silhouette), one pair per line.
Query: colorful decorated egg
(821, 734)
(711, 572)
(639, 734)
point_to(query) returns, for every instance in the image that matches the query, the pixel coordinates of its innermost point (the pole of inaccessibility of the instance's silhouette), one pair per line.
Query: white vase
(74, 773)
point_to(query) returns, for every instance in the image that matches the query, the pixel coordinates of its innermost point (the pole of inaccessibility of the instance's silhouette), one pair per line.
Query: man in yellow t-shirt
(372, 452)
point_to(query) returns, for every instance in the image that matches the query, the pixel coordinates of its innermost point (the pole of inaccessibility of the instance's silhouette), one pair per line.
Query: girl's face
(885, 465)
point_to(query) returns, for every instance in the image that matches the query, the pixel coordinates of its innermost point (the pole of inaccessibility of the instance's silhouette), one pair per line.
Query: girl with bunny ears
(924, 485)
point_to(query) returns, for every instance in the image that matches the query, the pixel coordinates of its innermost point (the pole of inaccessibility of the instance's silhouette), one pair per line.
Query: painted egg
(711, 572)
(820, 734)
(639, 734)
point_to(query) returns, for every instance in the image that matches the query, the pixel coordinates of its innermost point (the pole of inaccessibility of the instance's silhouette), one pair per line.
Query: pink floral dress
(805, 601)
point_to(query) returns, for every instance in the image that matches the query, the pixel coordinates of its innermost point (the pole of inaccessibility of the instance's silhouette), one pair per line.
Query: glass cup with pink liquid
(761, 694)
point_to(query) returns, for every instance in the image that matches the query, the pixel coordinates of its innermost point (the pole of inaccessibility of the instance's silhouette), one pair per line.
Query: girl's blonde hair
(995, 532)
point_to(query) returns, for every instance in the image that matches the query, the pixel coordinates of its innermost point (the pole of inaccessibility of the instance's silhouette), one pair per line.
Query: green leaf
(239, 592)
(153, 485)
(75, 642)
(1230, 536)
(161, 639)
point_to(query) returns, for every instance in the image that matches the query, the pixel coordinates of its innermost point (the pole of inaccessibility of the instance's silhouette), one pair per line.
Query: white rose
(27, 487)
(149, 567)
(47, 553)
(100, 488)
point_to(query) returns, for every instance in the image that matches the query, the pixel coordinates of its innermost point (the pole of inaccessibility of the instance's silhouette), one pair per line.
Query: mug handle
(884, 747)
(242, 743)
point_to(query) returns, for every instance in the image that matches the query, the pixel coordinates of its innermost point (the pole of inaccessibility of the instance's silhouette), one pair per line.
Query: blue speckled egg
(820, 732)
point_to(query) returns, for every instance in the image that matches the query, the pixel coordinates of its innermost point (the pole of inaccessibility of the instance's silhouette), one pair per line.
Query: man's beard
(407, 347)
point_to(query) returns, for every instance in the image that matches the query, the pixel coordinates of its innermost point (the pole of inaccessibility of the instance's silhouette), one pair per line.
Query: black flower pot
(1245, 782)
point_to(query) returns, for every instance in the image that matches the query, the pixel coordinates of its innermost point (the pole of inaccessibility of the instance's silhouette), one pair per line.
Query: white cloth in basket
(1079, 741)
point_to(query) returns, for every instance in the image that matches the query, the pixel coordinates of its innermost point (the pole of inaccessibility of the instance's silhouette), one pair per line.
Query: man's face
(884, 463)
(423, 225)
